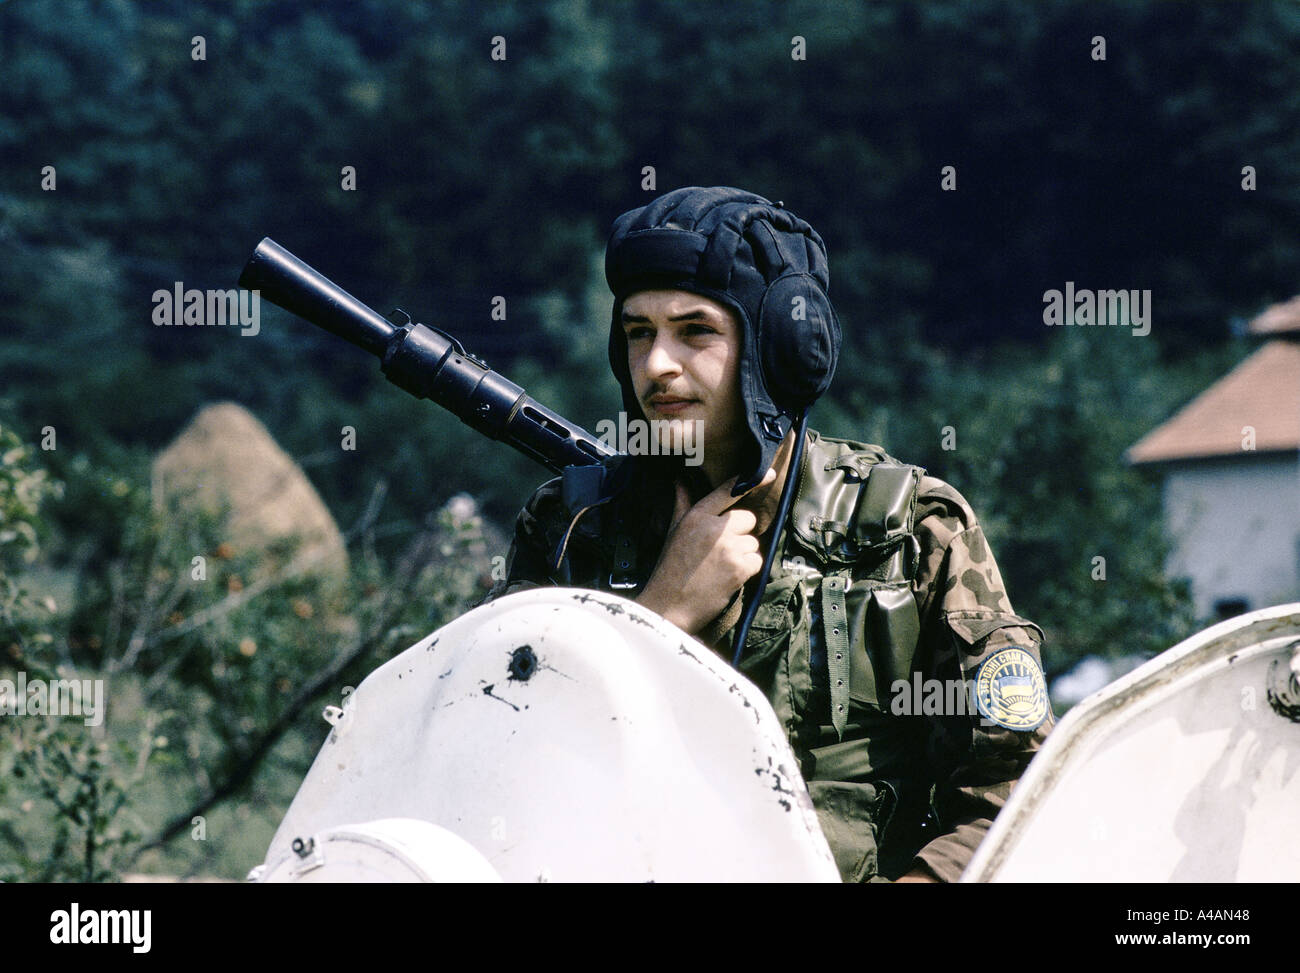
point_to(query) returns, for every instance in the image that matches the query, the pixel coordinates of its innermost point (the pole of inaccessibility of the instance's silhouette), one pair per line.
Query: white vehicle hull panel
(1185, 770)
(570, 735)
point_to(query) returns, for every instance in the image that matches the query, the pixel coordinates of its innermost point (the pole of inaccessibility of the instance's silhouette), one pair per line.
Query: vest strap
(835, 624)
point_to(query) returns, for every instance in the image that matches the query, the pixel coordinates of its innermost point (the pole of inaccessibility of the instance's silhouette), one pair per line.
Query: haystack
(226, 463)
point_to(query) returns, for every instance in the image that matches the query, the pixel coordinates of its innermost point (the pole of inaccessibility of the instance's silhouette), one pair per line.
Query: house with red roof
(1230, 461)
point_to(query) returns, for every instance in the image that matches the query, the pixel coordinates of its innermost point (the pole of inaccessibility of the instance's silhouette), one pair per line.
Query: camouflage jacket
(922, 753)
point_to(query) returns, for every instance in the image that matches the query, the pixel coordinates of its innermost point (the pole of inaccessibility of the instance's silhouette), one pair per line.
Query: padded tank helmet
(757, 258)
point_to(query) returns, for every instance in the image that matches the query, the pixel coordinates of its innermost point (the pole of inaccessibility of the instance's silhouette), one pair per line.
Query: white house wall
(1235, 526)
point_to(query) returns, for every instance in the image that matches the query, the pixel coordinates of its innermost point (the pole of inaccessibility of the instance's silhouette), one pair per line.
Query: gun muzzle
(286, 281)
(427, 362)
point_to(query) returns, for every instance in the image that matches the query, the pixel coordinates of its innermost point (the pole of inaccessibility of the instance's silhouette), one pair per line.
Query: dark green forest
(146, 144)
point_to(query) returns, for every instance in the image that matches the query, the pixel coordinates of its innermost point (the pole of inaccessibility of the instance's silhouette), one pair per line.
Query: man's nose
(664, 358)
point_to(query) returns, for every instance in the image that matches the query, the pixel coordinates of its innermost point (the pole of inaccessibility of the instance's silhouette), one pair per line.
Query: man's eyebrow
(695, 314)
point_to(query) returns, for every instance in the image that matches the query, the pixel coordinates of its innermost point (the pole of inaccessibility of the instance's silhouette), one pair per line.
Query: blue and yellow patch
(1010, 689)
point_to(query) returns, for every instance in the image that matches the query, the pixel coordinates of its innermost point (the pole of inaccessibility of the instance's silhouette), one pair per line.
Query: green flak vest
(838, 626)
(843, 582)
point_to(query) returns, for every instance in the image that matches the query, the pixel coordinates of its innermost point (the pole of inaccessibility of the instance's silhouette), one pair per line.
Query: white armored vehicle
(567, 735)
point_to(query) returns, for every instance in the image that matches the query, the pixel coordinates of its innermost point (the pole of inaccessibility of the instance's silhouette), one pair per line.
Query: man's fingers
(740, 521)
(721, 500)
(768, 478)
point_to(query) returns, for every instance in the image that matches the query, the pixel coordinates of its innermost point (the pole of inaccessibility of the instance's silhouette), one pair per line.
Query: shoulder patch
(1010, 689)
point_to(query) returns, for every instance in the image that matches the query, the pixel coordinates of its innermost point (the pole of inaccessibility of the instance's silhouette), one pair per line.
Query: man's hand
(709, 554)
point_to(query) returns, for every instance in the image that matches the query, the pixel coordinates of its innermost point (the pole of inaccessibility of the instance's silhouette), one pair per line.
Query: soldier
(880, 630)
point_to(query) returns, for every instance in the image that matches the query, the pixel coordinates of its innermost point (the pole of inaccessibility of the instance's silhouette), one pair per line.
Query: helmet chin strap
(782, 511)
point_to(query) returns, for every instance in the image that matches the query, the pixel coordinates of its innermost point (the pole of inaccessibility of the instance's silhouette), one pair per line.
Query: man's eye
(698, 329)
(636, 334)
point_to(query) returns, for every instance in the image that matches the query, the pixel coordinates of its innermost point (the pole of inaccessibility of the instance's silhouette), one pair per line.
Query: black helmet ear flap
(798, 341)
(768, 430)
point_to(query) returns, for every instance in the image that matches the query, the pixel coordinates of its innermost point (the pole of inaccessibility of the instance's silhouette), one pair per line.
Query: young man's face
(683, 353)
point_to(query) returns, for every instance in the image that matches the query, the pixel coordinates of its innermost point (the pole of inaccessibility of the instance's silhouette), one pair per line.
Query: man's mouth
(670, 404)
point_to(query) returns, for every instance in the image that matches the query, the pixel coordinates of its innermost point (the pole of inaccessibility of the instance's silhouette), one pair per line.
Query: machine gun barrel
(425, 361)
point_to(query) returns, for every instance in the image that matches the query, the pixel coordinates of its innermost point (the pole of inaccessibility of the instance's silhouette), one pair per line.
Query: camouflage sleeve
(536, 535)
(966, 620)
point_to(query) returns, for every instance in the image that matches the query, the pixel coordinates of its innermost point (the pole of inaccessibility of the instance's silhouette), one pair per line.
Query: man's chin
(677, 434)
